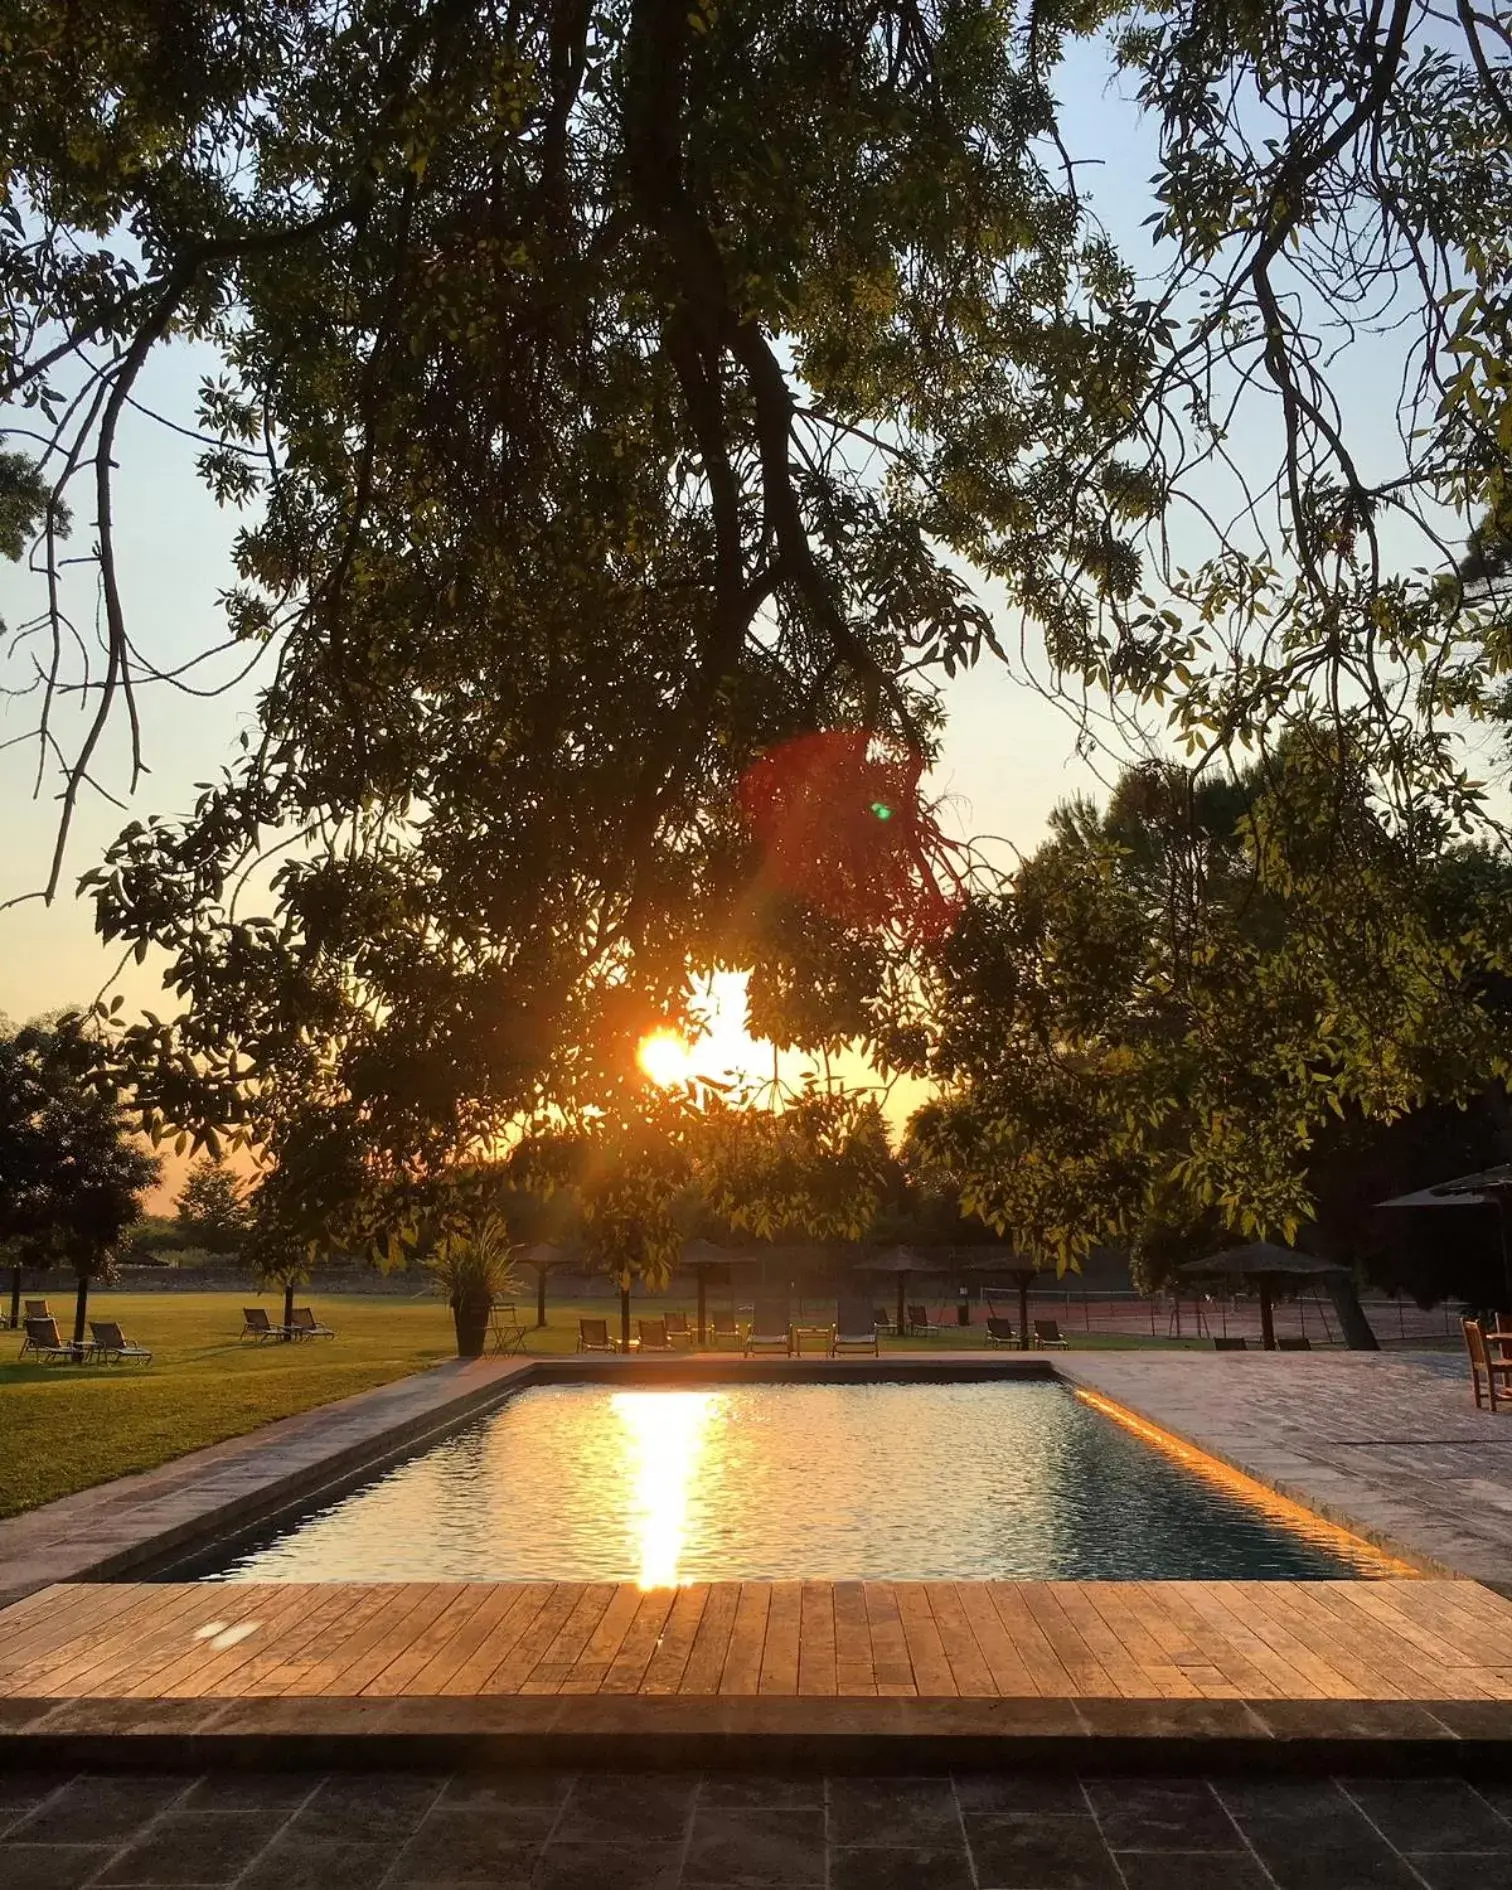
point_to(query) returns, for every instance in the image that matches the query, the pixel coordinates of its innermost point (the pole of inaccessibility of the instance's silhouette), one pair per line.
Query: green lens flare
(881, 810)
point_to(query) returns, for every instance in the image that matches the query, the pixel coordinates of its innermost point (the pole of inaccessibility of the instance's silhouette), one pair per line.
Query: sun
(666, 1058)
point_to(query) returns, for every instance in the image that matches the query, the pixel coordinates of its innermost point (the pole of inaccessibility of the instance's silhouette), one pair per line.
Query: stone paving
(607, 1831)
(1387, 1444)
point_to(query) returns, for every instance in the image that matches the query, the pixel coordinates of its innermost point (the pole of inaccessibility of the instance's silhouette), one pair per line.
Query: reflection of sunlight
(666, 1431)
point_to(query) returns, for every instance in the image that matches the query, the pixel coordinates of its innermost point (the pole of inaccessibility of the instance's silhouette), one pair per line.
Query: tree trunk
(624, 1318)
(703, 1304)
(81, 1307)
(902, 1290)
(540, 1298)
(15, 1316)
(1023, 1293)
(1356, 1328)
(1267, 1319)
(288, 1331)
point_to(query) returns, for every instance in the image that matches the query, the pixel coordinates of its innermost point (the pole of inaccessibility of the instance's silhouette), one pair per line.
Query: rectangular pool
(877, 1481)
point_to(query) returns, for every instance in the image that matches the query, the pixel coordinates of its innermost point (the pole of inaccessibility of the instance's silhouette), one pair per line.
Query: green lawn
(66, 1427)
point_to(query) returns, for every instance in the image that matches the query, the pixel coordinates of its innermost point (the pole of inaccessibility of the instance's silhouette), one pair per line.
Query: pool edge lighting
(1249, 1489)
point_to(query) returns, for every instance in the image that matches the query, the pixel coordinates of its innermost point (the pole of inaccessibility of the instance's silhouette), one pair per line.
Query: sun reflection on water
(666, 1432)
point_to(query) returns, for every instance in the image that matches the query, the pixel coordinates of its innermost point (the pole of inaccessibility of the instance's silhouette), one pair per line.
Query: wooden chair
(1000, 1331)
(771, 1327)
(678, 1329)
(1497, 1372)
(724, 1329)
(1049, 1337)
(654, 1336)
(593, 1336)
(855, 1329)
(111, 1344)
(306, 1326)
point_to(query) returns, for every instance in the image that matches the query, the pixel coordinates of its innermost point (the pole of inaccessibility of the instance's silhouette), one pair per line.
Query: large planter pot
(471, 1320)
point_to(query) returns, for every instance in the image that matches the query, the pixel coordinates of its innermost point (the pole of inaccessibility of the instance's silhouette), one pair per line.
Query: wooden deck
(1386, 1640)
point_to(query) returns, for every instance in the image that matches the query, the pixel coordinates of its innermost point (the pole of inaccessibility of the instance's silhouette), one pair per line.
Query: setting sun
(666, 1058)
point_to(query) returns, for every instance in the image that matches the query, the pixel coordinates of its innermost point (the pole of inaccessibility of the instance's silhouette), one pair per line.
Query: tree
(1147, 1037)
(621, 391)
(212, 1208)
(71, 1181)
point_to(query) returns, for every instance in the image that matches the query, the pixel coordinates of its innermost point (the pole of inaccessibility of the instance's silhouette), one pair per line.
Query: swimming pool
(876, 1481)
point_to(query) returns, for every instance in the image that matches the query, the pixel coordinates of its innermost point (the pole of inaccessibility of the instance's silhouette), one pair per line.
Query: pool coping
(1467, 1738)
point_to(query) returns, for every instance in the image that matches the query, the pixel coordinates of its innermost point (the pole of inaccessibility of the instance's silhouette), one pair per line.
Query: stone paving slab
(1388, 1445)
(541, 1829)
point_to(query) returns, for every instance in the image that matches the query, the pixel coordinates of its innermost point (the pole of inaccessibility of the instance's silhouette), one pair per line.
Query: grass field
(66, 1427)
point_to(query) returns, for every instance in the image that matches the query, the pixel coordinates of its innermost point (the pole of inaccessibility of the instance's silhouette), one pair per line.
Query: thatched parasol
(1269, 1267)
(702, 1256)
(1492, 1187)
(542, 1256)
(1019, 1268)
(901, 1261)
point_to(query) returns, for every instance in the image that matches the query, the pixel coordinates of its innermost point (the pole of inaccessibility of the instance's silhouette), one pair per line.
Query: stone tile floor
(607, 1831)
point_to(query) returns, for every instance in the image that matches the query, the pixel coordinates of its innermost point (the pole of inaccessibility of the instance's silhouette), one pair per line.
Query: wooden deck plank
(422, 1643)
(933, 1677)
(711, 1643)
(818, 1662)
(855, 1675)
(1227, 1675)
(628, 1668)
(1011, 1678)
(968, 1668)
(1243, 1645)
(890, 1662)
(1046, 1668)
(1083, 1643)
(275, 1614)
(591, 1668)
(292, 1661)
(779, 1650)
(522, 1659)
(742, 1666)
(1376, 1668)
(675, 1649)
(558, 1662)
(90, 1653)
(483, 1642)
(1246, 1602)
(37, 1628)
(1427, 1653)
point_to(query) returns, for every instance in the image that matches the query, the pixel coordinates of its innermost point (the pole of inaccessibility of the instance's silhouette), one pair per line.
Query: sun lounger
(257, 1325)
(724, 1329)
(1230, 1345)
(37, 1309)
(111, 1344)
(918, 1323)
(881, 1319)
(678, 1329)
(1492, 1366)
(653, 1335)
(46, 1344)
(1001, 1332)
(855, 1329)
(1300, 1344)
(771, 1328)
(593, 1336)
(306, 1326)
(1048, 1335)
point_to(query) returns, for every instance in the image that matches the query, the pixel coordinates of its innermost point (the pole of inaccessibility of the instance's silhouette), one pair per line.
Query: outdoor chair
(38, 1309)
(1486, 1364)
(1000, 1331)
(506, 1330)
(881, 1319)
(855, 1329)
(46, 1343)
(111, 1344)
(918, 1323)
(678, 1329)
(1048, 1336)
(257, 1325)
(723, 1329)
(1299, 1344)
(306, 1326)
(653, 1335)
(593, 1336)
(771, 1328)
(1230, 1345)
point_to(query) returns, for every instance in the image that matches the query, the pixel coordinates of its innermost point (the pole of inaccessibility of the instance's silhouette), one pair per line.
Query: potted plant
(473, 1269)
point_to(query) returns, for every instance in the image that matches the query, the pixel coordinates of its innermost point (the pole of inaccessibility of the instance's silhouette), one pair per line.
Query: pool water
(879, 1481)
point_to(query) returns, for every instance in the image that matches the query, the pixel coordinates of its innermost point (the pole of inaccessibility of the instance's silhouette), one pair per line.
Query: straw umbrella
(542, 1257)
(1270, 1268)
(1022, 1272)
(900, 1261)
(700, 1256)
(1492, 1187)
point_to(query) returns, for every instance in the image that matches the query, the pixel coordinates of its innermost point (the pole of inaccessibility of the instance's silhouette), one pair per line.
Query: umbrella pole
(703, 1303)
(1267, 1318)
(624, 1318)
(902, 1289)
(1023, 1290)
(540, 1297)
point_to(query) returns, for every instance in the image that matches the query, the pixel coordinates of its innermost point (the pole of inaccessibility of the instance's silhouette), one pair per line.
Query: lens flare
(666, 1058)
